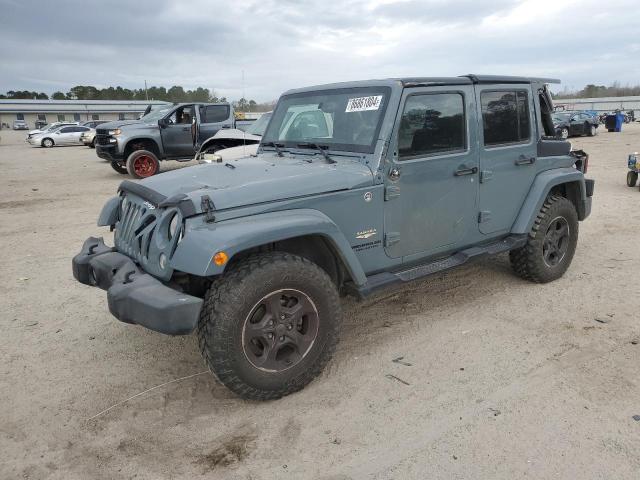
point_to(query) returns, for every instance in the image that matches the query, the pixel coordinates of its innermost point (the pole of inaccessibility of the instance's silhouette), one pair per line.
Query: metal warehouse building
(70, 110)
(602, 105)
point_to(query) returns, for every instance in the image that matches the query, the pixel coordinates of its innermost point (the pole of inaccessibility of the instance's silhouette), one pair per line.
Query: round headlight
(173, 226)
(163, 261)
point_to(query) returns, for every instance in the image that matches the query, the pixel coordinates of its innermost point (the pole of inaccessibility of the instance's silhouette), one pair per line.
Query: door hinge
(391, 238)
(484, 216)
(485, 176)
(391, 192)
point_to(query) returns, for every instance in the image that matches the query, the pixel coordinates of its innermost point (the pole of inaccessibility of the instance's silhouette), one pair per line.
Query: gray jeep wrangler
(356, 187)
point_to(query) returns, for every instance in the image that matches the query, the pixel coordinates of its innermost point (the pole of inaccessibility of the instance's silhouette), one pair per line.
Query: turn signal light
(220, 258)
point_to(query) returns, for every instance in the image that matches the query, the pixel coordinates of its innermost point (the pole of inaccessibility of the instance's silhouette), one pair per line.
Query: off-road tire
(118, 167)
(152, 164)
(632, 179)
(47, 143)
(528, 261)
(230, 300)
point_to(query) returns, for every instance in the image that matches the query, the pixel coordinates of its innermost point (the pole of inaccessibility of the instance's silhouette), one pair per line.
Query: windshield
(561, 117)
(342, 119)
(260, 125)
(155, 115)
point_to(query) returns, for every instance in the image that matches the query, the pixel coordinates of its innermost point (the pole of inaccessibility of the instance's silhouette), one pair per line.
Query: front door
(507, 154)
(176, 136)
(432, 180)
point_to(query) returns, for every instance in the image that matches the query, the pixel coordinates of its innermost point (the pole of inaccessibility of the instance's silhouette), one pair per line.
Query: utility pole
(146, 94)
(243, 87)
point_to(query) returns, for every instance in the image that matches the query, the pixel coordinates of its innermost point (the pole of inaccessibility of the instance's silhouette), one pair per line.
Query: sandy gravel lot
(507, 379)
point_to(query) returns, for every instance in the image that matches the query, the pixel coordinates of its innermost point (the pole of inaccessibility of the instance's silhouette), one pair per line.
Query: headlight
(117, 131)
(173, 226)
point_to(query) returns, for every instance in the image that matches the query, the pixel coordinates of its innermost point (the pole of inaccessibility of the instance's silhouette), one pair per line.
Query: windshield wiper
(276, 146)
(319, 148)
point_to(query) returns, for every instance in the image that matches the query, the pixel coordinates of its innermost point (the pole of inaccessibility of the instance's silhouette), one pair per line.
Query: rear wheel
(551, 243)
(142, 164)
(564, 133)
(270, 325)
(632, 178)
(47, 143)
(119, 167)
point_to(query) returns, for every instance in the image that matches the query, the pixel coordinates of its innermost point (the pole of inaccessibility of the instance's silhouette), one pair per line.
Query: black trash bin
(610, 123)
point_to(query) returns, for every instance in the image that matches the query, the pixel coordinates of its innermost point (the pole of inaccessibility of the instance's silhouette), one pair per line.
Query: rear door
(212, 119)
(176, 136)
(432, 186)
(507, 153)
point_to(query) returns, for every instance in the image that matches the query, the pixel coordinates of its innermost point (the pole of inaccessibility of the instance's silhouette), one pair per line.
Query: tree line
(599, 91)
(174, 94)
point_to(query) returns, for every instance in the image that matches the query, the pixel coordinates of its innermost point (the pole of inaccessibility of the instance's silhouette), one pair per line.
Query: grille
(141, 233)
(134, 231)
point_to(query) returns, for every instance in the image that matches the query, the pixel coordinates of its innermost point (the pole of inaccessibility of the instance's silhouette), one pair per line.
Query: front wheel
(564, 133)
(551, 243)
(118, 167)
(270, 325)
(142, 164)
(632, 178)
(93, 143)
(47, 143)
(592, 130)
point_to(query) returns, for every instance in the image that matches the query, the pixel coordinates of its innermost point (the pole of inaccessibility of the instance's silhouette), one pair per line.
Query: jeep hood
(265, 178)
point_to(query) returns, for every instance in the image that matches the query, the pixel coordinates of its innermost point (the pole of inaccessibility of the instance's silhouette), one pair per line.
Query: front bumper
(108, 152)
(132, 295)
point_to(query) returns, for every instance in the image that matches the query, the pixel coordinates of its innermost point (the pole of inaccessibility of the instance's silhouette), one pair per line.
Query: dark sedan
(569, 124)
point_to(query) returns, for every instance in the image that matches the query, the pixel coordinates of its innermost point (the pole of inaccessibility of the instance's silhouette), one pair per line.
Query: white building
(49, 111)
(601, 105)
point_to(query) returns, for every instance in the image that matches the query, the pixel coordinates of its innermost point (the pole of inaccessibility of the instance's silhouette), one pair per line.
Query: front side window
(66, 130)
(432, 124)
(214, 113)
(505, 117)
(346, 119)
(182, 115)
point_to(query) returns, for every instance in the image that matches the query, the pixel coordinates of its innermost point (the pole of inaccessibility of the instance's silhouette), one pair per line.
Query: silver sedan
(64, 135)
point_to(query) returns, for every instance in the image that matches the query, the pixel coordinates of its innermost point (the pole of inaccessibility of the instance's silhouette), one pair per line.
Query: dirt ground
(499, 378)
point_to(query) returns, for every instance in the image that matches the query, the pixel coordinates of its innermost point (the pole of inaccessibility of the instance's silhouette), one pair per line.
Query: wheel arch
(141, 143)
(304, 232)
(567, 182)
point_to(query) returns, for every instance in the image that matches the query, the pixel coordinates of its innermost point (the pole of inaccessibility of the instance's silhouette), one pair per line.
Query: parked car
(88, 138)
(20, 125)
(62, 135)
(231, 144)
(569, 124)
(374, 184)
(48, 128)
(93, 123)
(137, 146)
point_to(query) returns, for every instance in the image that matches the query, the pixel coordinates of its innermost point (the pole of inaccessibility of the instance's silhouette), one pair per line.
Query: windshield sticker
(362, 104)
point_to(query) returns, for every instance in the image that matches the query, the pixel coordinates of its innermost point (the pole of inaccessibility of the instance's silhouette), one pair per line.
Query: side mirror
(163, 122)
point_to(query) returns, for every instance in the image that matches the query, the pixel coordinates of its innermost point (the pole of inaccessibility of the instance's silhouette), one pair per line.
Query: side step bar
(380, 281)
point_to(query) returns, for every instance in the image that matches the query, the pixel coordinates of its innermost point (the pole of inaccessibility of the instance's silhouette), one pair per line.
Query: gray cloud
(283, 44)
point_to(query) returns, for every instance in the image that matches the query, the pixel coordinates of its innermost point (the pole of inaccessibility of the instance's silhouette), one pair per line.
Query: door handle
(226, 126)
(523, 160)
(462, 170)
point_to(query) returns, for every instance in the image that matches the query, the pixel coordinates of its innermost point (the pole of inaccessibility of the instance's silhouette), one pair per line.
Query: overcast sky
(281, 44)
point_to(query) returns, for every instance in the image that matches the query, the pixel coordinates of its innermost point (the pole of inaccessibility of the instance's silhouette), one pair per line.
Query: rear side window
(214, 113)
(505, 117)
(432, 124)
